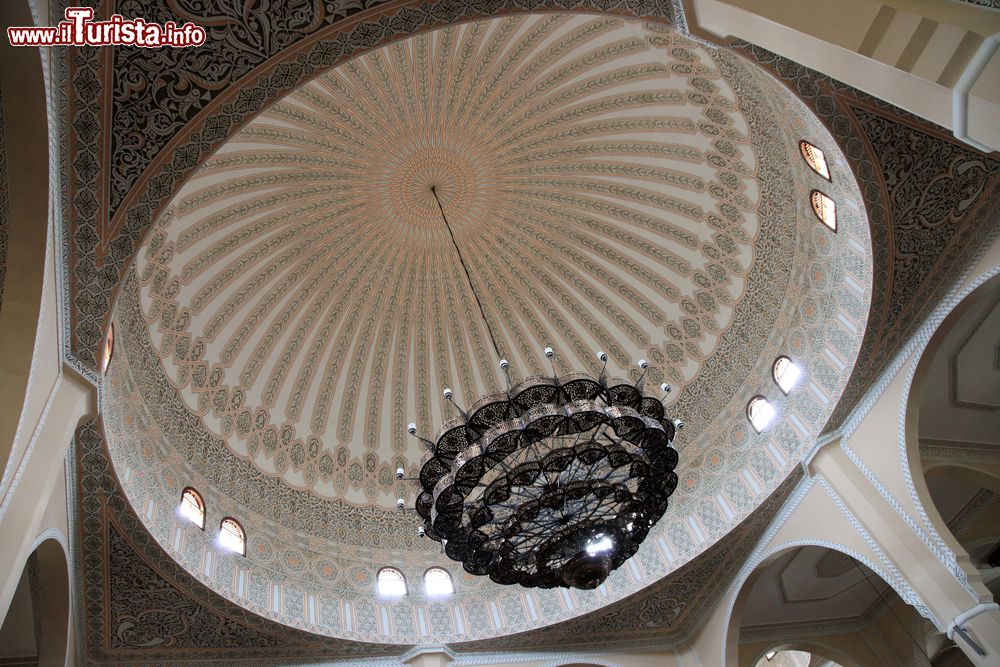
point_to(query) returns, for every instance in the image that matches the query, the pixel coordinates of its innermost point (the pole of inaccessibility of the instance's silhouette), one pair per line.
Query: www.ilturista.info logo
(79, 30)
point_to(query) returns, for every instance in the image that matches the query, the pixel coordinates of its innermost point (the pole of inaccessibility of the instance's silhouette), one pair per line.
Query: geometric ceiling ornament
(612, 185)
(305, 297)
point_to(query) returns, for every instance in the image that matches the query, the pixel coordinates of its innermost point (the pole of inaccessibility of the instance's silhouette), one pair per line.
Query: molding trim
(919, 347)
(932, 541)
(916, 345)
(890, 575)
(762, 552)
(956, 451)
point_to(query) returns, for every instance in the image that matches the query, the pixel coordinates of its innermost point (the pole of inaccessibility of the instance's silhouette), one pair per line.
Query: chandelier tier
(555, 482)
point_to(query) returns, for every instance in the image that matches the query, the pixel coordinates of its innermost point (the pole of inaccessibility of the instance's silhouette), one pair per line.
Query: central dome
(612, 186)
(597, 175)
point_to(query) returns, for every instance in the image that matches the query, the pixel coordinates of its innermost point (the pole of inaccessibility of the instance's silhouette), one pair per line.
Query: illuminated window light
(390, 582)
(108, 348)
(437, 582)
(599, 546)
(760, 412)
(815, 158)
(825, 209)
(786, 374)
(193, 507)
(232, 536)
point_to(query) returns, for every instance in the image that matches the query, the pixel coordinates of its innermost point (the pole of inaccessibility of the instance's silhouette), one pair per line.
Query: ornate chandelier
(555, 482)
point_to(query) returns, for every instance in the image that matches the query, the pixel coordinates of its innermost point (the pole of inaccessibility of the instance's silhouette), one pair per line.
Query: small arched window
(815, 159)
(786, 374)
(437, 582)
(193, 507)
(108, 348)
(232, 536)
(760, 412)
(825, 209)
(391, 582)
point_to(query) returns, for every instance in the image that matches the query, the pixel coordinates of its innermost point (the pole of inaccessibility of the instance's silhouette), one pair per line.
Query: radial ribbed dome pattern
(304, 294)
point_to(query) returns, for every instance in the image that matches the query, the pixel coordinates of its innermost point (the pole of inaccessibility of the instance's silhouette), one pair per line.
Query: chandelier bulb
(411, 428)
(421, 532)
(448, 393)
(666, 388)
(549, 352)
(678, 424)
(399, 473)
(602, 356)
(643, 364)
(400, 503)
(504, 364)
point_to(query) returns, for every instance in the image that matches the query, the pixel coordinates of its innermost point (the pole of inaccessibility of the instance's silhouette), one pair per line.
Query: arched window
(437, 581)
(815, 159)
(391, 582)
(108, 348)
(786, 374)
(232, 536)
(760, 412)
(193, 507)
(825, 209)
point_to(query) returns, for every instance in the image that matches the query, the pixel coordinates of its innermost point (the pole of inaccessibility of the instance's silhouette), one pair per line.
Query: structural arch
(743, 585)
(815, 647)
(24, 226)
(952, 325)
(37, 623)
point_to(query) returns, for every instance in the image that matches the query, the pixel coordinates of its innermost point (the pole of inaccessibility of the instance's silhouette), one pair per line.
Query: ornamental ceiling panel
(161, 112)
(304, 294)
(141, 607)
(932, 202)
(617, 186)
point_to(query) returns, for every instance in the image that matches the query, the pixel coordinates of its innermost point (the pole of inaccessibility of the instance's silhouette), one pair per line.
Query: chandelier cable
(468, 276)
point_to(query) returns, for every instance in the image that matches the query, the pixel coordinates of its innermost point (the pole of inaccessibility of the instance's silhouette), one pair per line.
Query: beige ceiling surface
(600, 198)
(960, 397)
(612, 185)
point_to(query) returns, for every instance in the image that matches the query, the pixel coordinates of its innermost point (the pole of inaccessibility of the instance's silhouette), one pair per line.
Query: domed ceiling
(612, 185)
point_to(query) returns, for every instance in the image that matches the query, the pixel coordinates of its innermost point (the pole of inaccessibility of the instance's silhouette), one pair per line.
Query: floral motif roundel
(612, 185)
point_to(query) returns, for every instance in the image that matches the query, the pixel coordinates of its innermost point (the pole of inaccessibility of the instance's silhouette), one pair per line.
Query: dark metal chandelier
(555, 482)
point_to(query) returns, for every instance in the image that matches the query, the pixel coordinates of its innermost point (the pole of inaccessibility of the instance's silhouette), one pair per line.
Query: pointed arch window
(390, 582)
(108, 348)
(193, 507)
(437, 582)
(786, 374)
(815, 158)
(760, 412)
(232, 536)
(825, 209)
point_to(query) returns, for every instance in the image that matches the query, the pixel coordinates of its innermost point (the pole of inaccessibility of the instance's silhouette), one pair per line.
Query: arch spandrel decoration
(214, 362)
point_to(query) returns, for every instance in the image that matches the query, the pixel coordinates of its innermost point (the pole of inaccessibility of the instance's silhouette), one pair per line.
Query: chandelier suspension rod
(468, 276)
